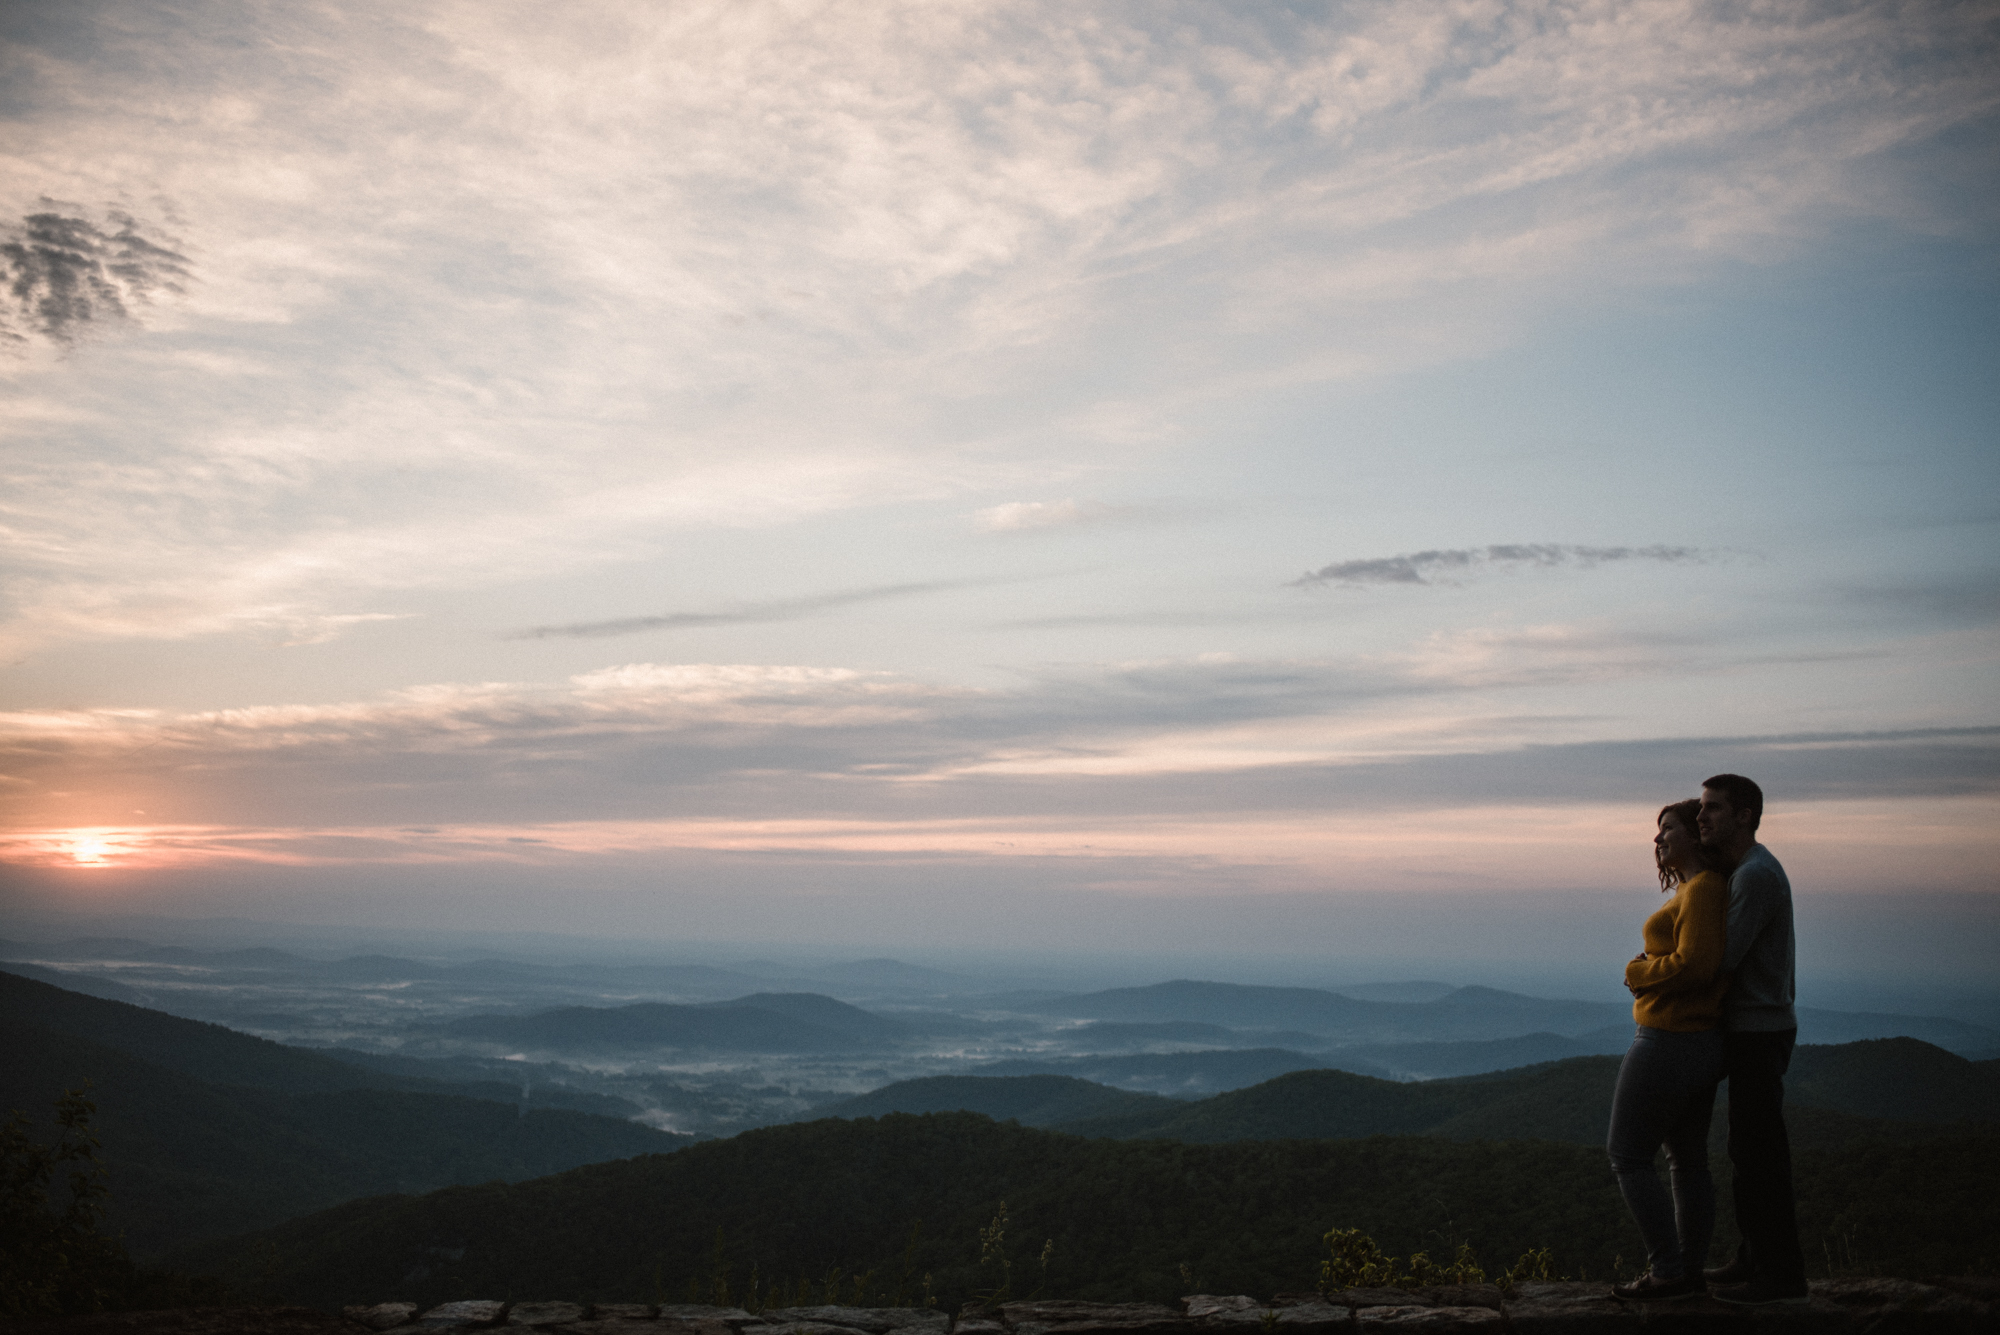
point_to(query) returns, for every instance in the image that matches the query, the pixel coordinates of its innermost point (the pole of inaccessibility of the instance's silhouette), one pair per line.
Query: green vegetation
(1118, 1220)
(54, 1260)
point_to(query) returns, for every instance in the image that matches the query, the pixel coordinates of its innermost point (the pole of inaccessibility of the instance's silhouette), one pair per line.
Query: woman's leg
(1642, 1111)
(1687, 1152)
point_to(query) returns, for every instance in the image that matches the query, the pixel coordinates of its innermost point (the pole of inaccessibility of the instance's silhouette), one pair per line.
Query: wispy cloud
(782, 609)
(1048, 212)
(1138, 741)
(1455, 565)
(63, 276)
(1022, 516)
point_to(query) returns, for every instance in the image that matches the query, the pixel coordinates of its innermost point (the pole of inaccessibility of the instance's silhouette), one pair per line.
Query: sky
(1287, 478)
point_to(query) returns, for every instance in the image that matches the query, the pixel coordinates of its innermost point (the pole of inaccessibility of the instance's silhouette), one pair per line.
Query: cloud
(1144, 741)
(784, 609)
(1457, 565)
(1019, 516)
(63, 276)
(953, 248)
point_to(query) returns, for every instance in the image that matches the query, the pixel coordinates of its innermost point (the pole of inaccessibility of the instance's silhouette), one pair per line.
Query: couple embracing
(1713, 994)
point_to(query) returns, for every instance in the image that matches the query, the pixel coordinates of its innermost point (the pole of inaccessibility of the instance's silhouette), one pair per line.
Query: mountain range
(206, 1131)
(1465, 1014)
(1894, 1089)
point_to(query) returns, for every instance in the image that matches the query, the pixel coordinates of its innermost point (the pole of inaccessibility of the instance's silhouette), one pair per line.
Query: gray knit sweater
(1760, 955)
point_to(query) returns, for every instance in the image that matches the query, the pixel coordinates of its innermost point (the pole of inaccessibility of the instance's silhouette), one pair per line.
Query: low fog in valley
(737, 1041)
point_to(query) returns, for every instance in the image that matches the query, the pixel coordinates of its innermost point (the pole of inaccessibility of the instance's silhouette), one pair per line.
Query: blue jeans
(1666, 1092)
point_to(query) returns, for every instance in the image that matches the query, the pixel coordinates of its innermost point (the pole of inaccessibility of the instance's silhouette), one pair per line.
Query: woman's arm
(1699, 936)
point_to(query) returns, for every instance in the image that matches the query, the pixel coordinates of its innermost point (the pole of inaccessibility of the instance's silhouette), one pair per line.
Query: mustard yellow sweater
(1680, 982)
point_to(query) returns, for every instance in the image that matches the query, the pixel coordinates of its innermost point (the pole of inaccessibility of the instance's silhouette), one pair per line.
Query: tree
(53, 1259)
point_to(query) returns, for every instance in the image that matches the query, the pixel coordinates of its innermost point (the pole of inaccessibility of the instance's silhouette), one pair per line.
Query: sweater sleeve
(1753, 893)
(1699, 936)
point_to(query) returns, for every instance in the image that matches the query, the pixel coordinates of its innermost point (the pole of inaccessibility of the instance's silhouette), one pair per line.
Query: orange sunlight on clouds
(1847, 846)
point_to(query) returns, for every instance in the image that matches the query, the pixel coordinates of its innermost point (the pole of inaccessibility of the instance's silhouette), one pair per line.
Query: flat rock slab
(192, 1321)
(382, 1316)
(544, 1314)
(1077, 1318)
(1573, 1309)
(1307, 1319)
(1891, 1306)
(680, 1311)
(1359, 1298)
(647, 1311)
(470, 1312)
(1416, 1317)
(1200, 1305)
(1463, 1295)
(874, 1320)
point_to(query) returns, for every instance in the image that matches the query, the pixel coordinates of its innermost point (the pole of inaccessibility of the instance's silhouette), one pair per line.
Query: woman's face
(1675, 847)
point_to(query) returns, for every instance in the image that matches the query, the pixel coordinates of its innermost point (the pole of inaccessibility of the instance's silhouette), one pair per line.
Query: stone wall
(1847, 1306)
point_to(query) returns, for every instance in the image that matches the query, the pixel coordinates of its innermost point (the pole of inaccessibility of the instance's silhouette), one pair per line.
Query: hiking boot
(1764, 1292)
(1653, 1289)
(1740, 1270)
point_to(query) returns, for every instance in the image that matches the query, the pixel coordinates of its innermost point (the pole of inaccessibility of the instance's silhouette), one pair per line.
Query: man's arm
(1753, 894)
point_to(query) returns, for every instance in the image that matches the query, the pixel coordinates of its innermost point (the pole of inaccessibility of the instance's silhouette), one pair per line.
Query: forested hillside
(1032, 1100)
(1120, 1219)
(194, 1157)
(1882, 1089)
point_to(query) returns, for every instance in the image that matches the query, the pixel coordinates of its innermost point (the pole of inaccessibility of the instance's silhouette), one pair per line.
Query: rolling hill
(1182, 1075)
(1464, 1013)
(194, 1154)
(1886, 1089)
(191, 1047)
(1032, 1100)
(1436, 1061)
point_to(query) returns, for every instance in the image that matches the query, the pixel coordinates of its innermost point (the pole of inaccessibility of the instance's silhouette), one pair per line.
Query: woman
(1666, 1086)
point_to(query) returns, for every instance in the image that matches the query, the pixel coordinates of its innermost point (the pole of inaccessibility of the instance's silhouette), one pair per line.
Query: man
(1759, 1029)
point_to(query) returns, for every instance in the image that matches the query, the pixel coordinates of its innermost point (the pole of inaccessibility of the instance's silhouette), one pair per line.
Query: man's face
(1717, 819)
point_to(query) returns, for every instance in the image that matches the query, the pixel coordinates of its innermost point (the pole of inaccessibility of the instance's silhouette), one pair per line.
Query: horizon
(1293, 490)
(1970, 997)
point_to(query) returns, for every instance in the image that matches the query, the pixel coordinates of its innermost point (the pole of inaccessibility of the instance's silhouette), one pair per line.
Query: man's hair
(1743, 794)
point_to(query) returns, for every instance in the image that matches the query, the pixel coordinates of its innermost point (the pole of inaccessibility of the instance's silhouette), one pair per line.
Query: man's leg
(1761, 1153)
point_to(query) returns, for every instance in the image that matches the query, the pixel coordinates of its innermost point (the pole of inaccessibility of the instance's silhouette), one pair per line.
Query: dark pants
(1666, 1091)
(1761, 1153)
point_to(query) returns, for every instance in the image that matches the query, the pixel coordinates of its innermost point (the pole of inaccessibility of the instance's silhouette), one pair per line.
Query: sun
(90, 850)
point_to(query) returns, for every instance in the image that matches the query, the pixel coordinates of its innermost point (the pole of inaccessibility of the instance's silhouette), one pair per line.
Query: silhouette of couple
(1712, 995)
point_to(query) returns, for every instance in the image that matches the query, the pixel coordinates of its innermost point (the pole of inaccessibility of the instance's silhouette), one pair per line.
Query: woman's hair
(1684, 812)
